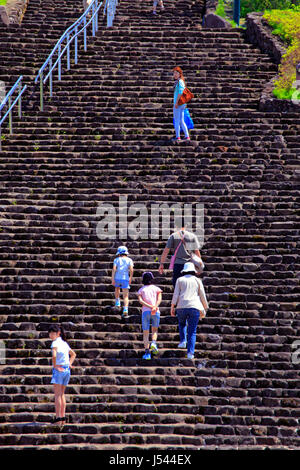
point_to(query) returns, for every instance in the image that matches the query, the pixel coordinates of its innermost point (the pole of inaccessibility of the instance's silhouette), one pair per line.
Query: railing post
(41, 92)
(50, 65)
(236, 11)
(68, 52)
(93, 22)
(59, 63)
(10, 116)
(96, 18)
(76, 45)
(84, 35)
(20, 101)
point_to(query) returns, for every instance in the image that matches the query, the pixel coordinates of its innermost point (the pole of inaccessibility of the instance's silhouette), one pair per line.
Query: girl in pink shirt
(150, 297)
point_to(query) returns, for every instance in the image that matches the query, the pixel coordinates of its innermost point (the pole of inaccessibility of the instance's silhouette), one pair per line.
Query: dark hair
(147, 278)
(189, 272)
(58, 329)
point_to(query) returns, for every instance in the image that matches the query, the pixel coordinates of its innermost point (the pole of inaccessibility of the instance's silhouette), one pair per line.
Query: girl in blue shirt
(178, 110)
(122, 276)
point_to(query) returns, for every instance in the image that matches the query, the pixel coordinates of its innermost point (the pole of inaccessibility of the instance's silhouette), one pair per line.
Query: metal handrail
(58, 47)
(8, 99)
(110, 7)
(93, 8)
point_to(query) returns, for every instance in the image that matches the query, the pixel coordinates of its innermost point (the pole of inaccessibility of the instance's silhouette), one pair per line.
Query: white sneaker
(154, 348)
(182, 345)
(190, 356)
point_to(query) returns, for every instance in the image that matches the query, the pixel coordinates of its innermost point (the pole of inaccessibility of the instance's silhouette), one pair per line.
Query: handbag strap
(182, 241)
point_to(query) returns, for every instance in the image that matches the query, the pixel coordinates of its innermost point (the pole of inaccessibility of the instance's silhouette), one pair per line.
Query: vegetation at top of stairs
(286, 24)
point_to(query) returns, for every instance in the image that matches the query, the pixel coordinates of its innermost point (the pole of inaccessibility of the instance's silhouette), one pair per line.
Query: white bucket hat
(188, 267)
(122, 250)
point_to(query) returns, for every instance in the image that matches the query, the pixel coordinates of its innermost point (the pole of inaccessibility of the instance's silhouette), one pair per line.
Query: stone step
(241, 391)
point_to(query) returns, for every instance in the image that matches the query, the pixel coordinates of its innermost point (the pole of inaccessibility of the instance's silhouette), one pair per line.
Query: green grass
(2, 2)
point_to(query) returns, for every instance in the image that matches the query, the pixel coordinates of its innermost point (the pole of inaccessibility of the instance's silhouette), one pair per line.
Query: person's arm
(57, 367)
(72, 356)
(203, 297)
(158, 300)
(130, 273)
(172, 310)
(181, 88)
(163, 260)
(157, 303)
(113, 274)
(178, 98)
(175, 298)
(144, 303)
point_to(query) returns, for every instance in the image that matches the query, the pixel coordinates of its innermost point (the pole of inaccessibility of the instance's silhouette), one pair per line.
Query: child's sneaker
(190, 356)
(147, 355)
(117, 303)
(125, 312)
(154, 348)
(182, 345)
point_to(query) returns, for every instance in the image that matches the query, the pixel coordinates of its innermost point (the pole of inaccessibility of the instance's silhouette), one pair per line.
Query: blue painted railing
(7, 101)
(110, 8)
(237, 11)
(70, 35)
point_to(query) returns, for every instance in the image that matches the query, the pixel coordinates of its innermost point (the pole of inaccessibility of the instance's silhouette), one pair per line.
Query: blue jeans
(188, 319)
(179, 120)
(147, 318)
(176, 272)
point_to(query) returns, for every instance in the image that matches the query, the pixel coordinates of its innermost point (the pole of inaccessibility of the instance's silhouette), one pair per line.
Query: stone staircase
(105, 133)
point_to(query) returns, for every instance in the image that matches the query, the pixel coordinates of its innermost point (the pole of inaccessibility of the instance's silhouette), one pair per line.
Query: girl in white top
(62, 359)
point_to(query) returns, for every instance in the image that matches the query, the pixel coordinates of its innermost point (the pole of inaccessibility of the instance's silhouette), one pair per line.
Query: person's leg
(193, 316)
(176, 113)
(154, 331)
(126, 297)
(57, 399)
(154, 5)
(182, 324)
(62, 401)
(182, 122)
(161, 5)
(117, 296)
(146, 328)
(146, 339)
(155, 319)
(176, 273)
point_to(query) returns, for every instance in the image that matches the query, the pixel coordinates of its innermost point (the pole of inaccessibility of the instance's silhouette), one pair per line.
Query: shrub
(286, 24)
(247, 6)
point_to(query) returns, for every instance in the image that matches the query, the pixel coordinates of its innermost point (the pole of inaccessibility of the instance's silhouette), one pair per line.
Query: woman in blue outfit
(190, 299)
(62, 359)
(178, 110)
